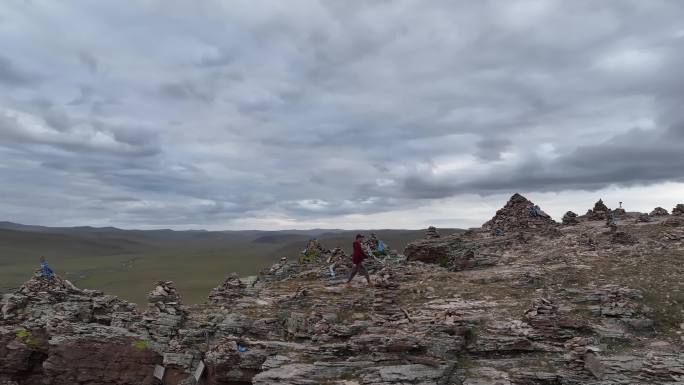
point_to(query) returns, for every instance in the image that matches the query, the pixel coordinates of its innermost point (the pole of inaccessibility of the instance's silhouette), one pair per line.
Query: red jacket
(358, 256)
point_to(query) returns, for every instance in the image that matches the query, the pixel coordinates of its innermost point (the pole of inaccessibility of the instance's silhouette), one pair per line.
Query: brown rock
(659, 212)
(100, 360)
(570, 219)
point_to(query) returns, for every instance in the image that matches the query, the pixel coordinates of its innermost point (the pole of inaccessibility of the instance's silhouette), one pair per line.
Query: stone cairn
(577, 349)
(386, 302)
(55, 286)
(228, 291)
(386, 279)
(543, 316)
(519, 214)
(599, 212)
(678, 210)
(431, 233)
(570, 218)
(164, 315)
(659, 212)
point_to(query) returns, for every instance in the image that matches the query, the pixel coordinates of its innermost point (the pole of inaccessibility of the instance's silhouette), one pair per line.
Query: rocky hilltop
(521, 300)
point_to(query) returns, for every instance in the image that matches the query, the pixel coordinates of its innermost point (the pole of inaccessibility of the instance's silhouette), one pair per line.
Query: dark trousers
(359, 267)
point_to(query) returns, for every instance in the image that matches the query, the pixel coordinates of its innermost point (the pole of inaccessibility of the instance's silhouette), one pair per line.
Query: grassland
(128, 262)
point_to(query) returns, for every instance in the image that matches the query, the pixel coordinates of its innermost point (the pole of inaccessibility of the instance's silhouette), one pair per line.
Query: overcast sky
(335, 114)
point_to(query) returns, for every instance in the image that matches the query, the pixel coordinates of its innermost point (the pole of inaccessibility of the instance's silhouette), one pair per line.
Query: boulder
(570, 219)
(428, 250)
(105, 358)
(659, 212)
(678, 210)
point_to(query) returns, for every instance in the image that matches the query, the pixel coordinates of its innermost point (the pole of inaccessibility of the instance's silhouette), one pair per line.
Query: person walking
(358, 256)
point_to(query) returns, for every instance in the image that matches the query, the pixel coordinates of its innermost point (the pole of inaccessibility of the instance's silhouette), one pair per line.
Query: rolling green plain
(127, 263)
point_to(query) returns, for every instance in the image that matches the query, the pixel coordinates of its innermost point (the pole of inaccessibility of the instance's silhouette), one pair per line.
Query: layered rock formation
(678, 210)
(572, 306)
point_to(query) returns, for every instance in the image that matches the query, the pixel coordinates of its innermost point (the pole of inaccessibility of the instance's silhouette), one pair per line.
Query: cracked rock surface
(542, 303)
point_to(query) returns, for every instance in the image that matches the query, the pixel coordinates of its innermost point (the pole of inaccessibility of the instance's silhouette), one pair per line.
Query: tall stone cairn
(432, 233)
(518, 214)
(599, 212)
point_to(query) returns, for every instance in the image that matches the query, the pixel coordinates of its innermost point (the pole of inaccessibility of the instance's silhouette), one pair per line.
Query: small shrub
(140, 344)
(31, 341)
(22, 334)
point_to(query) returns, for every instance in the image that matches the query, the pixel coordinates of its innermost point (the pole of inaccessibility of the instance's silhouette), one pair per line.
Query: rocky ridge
(536, 303)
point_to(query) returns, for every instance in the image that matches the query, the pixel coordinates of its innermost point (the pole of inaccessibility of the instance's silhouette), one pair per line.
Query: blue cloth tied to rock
(45, 270)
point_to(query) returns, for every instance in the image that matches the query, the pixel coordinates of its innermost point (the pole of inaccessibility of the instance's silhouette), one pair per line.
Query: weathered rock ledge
(536, 302)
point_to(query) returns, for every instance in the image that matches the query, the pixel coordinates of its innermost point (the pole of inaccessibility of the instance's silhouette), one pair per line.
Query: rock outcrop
(227, 292)
(583, 306)
(570, 219)
(678, 210)
(659, 212)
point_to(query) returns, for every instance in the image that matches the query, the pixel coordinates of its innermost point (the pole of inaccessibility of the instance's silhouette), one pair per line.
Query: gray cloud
(89, 61)
(490, 149)
(211, 115)
(12, 76)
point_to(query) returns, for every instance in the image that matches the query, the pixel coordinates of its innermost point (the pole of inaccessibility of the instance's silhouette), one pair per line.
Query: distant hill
(124, 262)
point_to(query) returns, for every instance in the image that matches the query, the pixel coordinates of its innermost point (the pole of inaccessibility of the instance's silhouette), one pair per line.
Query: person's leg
(363, 270)
(353, 272)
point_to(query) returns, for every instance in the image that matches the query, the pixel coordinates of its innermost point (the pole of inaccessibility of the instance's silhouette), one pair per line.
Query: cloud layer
(282, 114)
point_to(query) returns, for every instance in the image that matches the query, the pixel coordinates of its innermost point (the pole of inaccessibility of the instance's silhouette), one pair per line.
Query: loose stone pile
(577, 350)
(431, 233)
(599, 212)
(164, 315)
(519, 214)
(570, 218)
(231, 289)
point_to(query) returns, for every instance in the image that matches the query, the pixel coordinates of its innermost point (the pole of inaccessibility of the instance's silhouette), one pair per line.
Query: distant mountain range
(123, 262)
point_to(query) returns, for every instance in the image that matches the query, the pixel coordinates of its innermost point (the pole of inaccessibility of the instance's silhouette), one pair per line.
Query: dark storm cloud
(207, 114)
